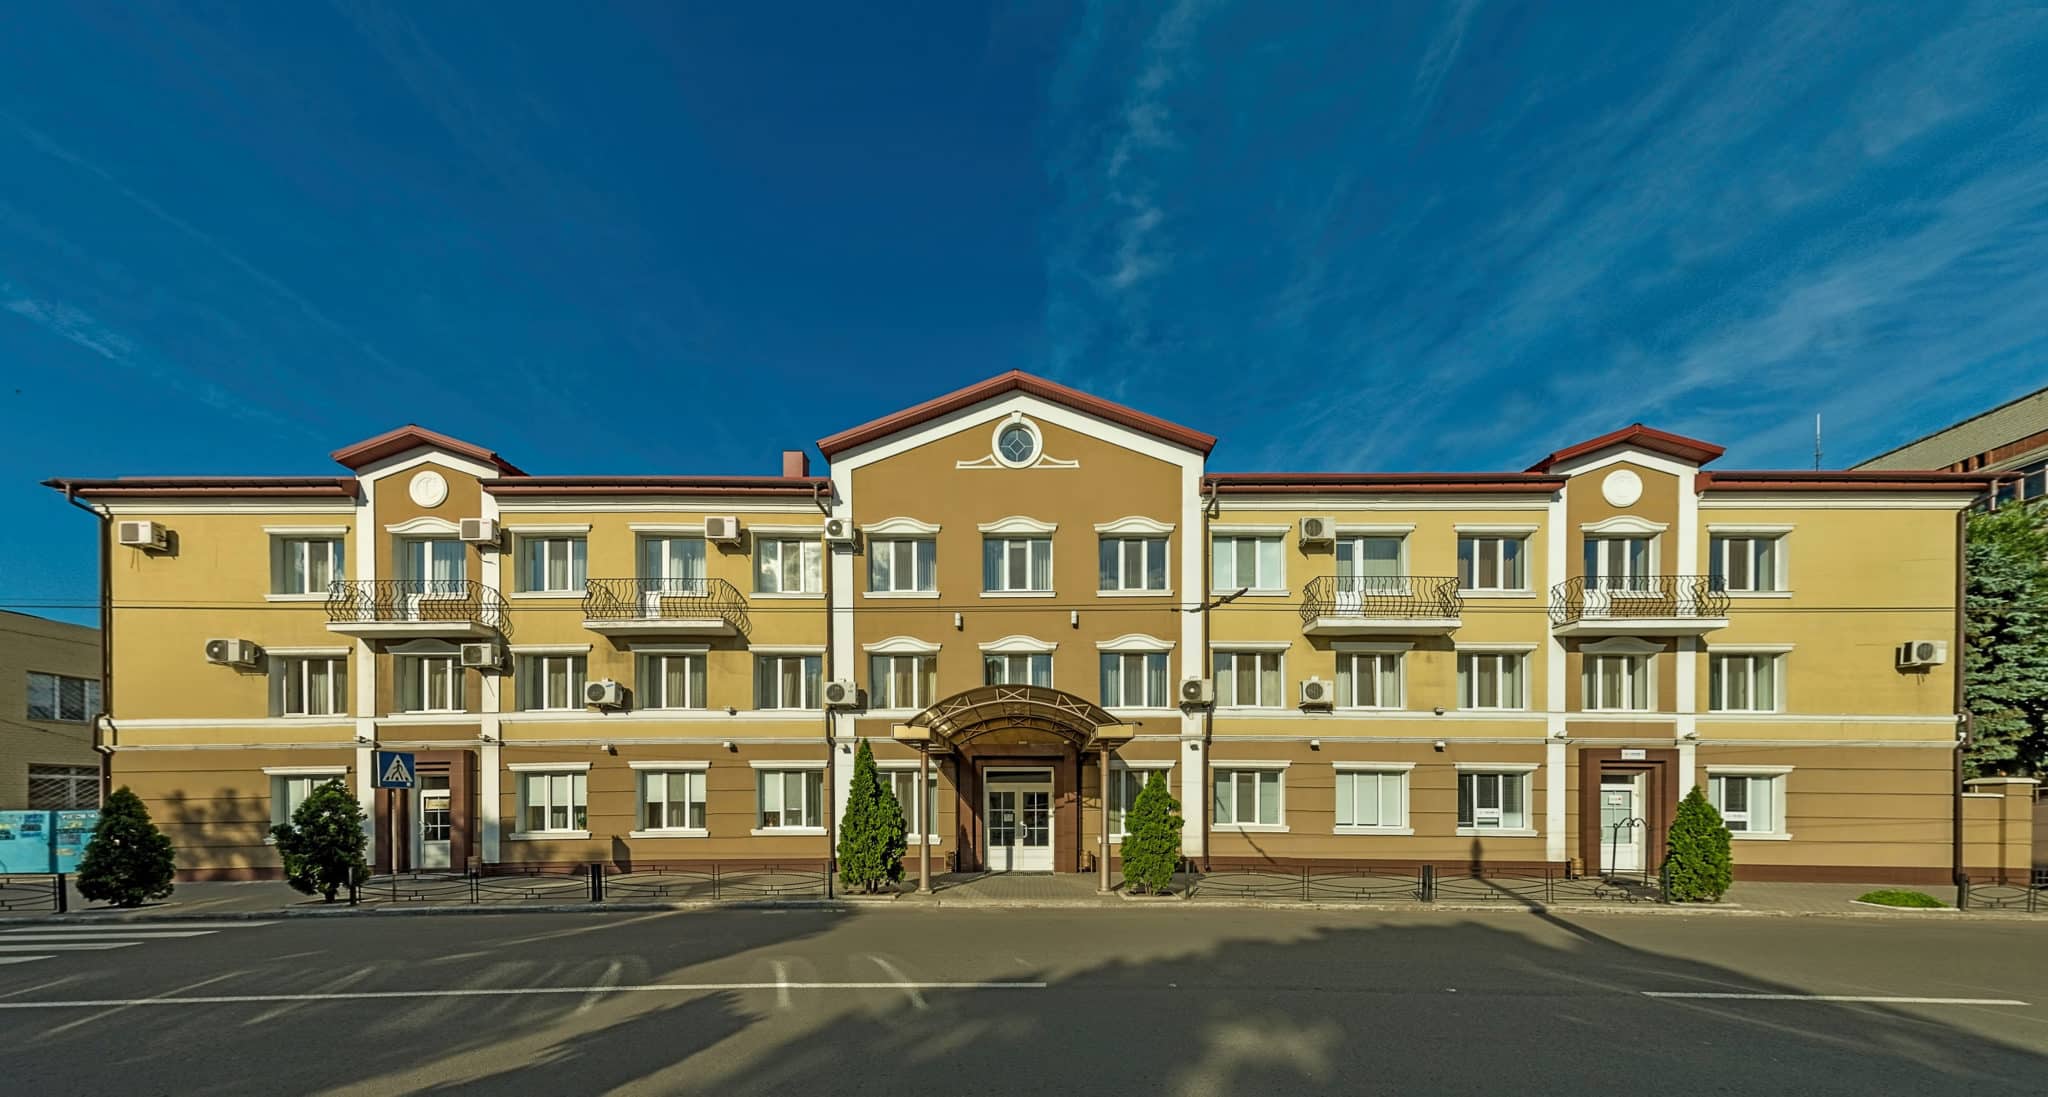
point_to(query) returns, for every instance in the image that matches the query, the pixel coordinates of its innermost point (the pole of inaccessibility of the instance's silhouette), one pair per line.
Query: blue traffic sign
(395, 769)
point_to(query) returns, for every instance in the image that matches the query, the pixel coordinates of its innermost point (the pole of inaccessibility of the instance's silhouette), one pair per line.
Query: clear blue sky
(1340, 236)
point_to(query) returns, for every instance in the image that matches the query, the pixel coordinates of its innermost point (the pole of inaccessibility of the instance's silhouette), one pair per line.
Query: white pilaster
(490, 767)
(1554, 799)
(1556, 757)
(1687, 710)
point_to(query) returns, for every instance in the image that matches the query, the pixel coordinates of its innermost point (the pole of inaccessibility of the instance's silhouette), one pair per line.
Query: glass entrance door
(433, 807)
(1622, 828)
(1017, 811)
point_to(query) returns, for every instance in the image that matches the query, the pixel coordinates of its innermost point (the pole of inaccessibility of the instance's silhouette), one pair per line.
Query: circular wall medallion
(1016, 442)
(1622, 488)
(428, 489)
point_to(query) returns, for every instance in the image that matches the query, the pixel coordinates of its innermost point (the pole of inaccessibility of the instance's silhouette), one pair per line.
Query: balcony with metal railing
(664, 607)
(415, 607)
(1638, 605)
(1380, 605)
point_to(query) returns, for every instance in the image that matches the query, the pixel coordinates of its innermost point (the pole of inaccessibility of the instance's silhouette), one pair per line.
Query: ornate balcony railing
(416, 602)
(1381, 597)
(658, 601)
(1675, 598)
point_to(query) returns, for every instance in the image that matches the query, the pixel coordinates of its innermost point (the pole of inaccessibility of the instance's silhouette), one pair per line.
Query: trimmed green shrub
(1898, 897)
(324, 844)
(1151, 847)
(1698, 865)
(129, 861)
(871, 836)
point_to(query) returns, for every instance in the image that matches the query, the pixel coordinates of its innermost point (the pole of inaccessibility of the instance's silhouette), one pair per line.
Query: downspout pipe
(1958, 874)
(102, 721)
(1203, 778)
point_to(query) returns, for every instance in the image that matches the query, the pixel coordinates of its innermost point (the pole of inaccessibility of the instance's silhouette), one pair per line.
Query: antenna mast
(1816, 441)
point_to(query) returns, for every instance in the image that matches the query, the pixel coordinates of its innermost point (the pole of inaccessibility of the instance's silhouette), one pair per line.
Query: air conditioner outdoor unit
(724, 530)
(478, 531)
(604, 693)
(841, 693)
(142, 535)
(483, 655)
(1316, 693)
(1318, 531)
(1197, 691)
(1922, 653)
(233, 653)
(838, 531)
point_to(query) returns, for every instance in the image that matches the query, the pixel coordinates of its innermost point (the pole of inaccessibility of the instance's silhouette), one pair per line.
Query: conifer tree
(129, 861)
(323, 846)
(1151, 846)
(871, 834)
(2006, 651)
(1698, 865)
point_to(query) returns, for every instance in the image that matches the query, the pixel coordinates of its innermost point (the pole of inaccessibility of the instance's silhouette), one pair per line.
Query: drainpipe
(1957, 872)
(102, 721)
(831, 790)
(1203, 778)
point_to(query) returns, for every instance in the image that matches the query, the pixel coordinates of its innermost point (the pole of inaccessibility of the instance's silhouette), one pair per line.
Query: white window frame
(1499, 543)
(811, 812)
(1637, 674)
(52, 685)
(1127, 780)
(532, 688)
(1348, 663)
(924, 672)
(1398, 771)
(914, 817)
(1719, 544)
(1278, 701)
(1717, 679)
(1468, 680)
(1629, 578)
(1501, 774)
(1145, 662)
(652, 678)
(1777, 777)
(1007, 547)
(1010, 660)
(768, 667)
(453, 697)
(287, 548)
(1239, 772)
(541, 550)
(285, 779)
(289, 670)
(1115, 551)
(567, 786)
(809, 562)
(1263, 584)
(923, 556)
(648, 777)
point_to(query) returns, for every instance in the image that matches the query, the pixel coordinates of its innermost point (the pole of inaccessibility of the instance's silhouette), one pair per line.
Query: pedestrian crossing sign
(394, 769)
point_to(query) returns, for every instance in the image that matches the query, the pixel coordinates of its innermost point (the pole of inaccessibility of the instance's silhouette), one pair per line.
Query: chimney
(796, 462)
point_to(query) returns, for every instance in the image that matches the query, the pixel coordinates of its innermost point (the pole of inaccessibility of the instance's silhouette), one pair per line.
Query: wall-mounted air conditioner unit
(838, 531)
(482, 655)
(1922, 653)
(143, 535)
(1318, 531)
(1316, 693)
(233, 653)
(604, 693)
(723, 530)
(478, 531)
(1197, 691)
(841, 693)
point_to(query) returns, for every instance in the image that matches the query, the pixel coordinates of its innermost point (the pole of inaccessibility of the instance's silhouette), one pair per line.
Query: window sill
(1134, 593)
(1747, 836)
(901, 594)
(542, 595)
(670, 832)
(1498, 832)
(1496, 594)
(1743, 712)
(1250, 828)
(787, 595)
(779, 832)
(1759, 593)
(1373, 830)
(320, 596)
(1257, 592)
(546, 835)
(1161, 711)
(1020, 594)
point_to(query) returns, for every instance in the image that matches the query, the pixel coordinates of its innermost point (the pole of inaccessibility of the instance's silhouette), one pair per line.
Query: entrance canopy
(985, 710)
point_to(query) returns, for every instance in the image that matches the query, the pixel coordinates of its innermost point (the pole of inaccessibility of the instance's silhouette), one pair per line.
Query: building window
(1369, 679)
(1017, 670)
(1743, 564)
(1241, 562)
(553, 565)
(1742, 683)
(551, 682)
(787, 681)
(1133, 563)
(1493, 801)
(1372, 799)
(671, 681)
(902, 681)
(1248, 798)
(308, 685)
(554, 801)
(903, 786)
(1492, 563)
(1618, 563)
(1490, 679)
(672, 799)
(672, 563)
(1010, 564)
(63, 788)
(1617, 683)
(788, 566)
(287, 792)
(305, 565)
(1125, 783)
(791, 799)
(1371, 564)
(1134, 680)
(1249, 679)
(1017, 444)
(436, 565)
(427, 683)
(905, 565)
(62, 698)
(1749, 803)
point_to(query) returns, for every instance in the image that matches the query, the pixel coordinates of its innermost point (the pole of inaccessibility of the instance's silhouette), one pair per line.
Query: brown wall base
(204, 875)
(1381, 865)
(1853, 874)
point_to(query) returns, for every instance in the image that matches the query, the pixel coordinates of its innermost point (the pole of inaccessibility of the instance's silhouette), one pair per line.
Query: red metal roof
(412, 436)
(798, 486)
(148, 486)
(1016, 381)
(1397, 483)
(1841, 480)
(1690, 450)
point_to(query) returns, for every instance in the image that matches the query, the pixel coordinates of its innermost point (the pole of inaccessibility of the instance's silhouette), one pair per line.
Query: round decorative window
(428, 489)
(1622, 488)
(1017, 444)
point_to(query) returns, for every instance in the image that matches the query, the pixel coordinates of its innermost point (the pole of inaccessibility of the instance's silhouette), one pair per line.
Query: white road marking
(9, 938)
(67, 946)
(20, 959)
(781, 985)
(610, 978)
(133, 927)
(780, 988)
(1878, 999)
(902, 980)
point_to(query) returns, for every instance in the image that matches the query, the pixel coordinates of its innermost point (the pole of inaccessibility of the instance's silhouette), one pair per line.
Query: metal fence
(42, 893)
(1425, 884)
(2031, 897)
(599, 883)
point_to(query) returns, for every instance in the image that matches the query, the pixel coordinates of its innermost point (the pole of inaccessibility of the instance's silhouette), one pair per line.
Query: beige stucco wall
(35, 644)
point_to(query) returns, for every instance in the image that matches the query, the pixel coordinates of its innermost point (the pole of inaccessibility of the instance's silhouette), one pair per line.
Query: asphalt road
(1151, 1000)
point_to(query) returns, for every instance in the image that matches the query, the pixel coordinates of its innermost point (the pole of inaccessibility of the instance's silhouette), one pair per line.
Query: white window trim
(1137, 538)
(306, 531)
(1216, 646)
(1217, 530)
(1372, 647)
(1497, 767)
(786, 535)
(1776, 653)
(1018, 644)
(1143, 766)
(1621, 645)
(560, 530)
(1263, 647)
(1019, 524)
(667, 766)
(1134, 642)
(786, 531)
(1642, 663)
(787, 649)
(1249, 529)
(305, 771)
(1250, 828)
(1783, 833)
(772, 832)
(877, 539)
(1524, 534)
(1528, 687)
(1134, 525)
(1405, 769)
(424, 526)
(1471, 529)
(900, 526)
(1400, 681)
(1780, 558)
(1493, 649)
(1624, 525)
(1524, 769)
(901, 645)
(519, 801)
(548, 767)
(806, 764)
(1749, 649)
(640, 802)
(665, 529)
(547, 835)
(549, 649)
(897, 765)
(309, 653)
(458, 681)
(663, 648)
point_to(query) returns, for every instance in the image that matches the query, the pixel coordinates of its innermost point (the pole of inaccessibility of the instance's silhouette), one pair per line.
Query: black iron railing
(1397, 597)
(38, 894)
(1661, 597)
(416, 601)
(656, 600)
(1532, 885)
